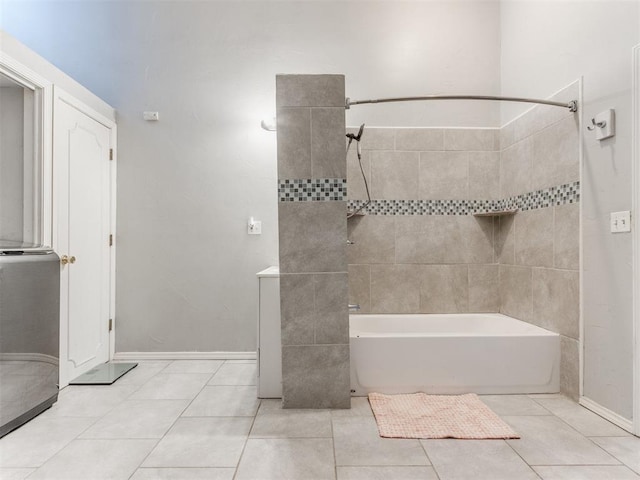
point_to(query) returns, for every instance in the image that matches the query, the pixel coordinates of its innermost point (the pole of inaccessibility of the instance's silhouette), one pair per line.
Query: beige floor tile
(584, 421)
(137, 419)
(586, 473)
(224, 401)
(292, 424)
(235, 374)
(477, 459)
(95, 460)
(89, 401)
(193, 366)
(360, 406)
(184, 474)
(547, 440)
(201, 442)
(282, 459)
(357, 443)
(386, 473)
(172, 386)
(625, 449)
(139, 375)
(15, 473)
(269, 405)
(36, 442)
(513, 405)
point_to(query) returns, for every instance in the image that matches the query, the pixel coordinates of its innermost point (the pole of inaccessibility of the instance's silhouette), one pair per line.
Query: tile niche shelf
(497, 213)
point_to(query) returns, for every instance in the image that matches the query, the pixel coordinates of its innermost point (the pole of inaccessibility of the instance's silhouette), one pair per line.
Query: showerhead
(358, 136)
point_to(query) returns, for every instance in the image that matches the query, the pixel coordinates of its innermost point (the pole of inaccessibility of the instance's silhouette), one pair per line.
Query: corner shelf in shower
(358, 214)
(497, 213)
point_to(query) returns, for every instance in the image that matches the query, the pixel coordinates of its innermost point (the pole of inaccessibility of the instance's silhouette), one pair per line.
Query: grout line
(235, 473)
(521, 457)
(428, 458)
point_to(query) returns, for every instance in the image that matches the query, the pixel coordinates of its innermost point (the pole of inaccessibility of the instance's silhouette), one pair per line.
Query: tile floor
(194, 420)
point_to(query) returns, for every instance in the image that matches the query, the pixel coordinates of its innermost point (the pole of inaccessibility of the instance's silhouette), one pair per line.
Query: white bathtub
(451, 354)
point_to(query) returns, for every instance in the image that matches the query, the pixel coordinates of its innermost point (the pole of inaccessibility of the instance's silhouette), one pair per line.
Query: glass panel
(20, 167)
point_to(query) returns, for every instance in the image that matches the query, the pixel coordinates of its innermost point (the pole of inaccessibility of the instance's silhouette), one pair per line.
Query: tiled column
(313, 234)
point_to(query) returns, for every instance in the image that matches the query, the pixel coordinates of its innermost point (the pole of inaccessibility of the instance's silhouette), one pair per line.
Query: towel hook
(593, 125)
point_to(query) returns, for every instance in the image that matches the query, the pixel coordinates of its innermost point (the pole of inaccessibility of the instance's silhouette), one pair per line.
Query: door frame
(635, 232)
(60, 94)
(43, 145)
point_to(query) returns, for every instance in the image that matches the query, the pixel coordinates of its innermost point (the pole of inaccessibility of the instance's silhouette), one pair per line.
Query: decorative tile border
(547, 197)
(312, 189)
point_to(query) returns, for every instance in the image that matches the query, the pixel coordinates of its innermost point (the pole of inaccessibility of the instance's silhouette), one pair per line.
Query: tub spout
(354, 306)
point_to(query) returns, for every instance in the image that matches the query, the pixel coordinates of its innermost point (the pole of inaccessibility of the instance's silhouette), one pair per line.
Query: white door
(82, 195)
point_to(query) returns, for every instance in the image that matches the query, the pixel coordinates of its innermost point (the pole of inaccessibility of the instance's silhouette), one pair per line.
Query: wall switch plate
(620, 222)
(254, 227)
(608, 119)
(151, 116)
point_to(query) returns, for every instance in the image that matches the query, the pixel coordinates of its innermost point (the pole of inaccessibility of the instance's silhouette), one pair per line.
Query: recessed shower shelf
(497, 213)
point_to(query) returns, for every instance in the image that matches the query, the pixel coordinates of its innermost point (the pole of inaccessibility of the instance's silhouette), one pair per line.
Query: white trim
(185, 356)
(43, 134)
(607, 414)
(581, 138)
(29, 357)
(113, 252)
(635, 155)
(59, 94)
(83, 107)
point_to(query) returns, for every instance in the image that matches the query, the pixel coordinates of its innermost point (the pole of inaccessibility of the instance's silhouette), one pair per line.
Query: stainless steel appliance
(29, 335)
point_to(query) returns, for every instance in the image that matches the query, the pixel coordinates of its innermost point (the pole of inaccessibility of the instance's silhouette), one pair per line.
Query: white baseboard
(185, 356)
(29, 357)
(607, 414)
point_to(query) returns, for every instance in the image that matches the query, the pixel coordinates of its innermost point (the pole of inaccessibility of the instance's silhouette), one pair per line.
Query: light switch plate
(621, 222)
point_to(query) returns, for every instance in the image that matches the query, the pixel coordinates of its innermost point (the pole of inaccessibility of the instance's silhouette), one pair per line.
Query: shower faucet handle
(354, 306)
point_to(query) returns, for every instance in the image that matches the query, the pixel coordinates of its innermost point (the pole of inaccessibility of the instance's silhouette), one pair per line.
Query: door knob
(64, 260)
(72, 259)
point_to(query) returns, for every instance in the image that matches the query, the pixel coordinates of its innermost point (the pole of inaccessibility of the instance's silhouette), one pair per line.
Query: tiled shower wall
(312, 237)
(419, 249)
(539, 249)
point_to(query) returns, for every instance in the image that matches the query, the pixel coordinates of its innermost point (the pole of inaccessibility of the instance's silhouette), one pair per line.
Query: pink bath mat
(419, 415)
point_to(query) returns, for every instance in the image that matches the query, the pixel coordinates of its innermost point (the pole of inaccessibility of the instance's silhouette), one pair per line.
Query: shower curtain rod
(572, 105)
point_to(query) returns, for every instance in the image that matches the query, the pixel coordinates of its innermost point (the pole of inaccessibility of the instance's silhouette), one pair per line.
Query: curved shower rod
(572, 105)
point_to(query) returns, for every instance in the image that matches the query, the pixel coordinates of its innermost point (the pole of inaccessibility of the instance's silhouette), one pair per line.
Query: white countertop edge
(273, 272)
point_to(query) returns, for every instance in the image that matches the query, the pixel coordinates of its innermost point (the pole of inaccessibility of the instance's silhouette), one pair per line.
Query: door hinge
(110, 324)
(111, 154)
(111, 239)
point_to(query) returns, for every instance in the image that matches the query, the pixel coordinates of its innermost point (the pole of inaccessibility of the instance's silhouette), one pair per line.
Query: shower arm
(572, 105)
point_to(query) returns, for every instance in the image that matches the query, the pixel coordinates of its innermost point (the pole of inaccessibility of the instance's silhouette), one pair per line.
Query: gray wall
(546, 44)
(188, 183)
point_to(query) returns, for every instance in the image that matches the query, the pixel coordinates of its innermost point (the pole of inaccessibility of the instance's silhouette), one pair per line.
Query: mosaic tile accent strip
(547, 197)
(312, 189)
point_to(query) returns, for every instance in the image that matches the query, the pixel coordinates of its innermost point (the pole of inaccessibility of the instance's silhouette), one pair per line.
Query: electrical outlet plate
(620, 222)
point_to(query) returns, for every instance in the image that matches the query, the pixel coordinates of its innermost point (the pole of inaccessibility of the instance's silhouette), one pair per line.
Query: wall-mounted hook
(603, 124)
(593, 125)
